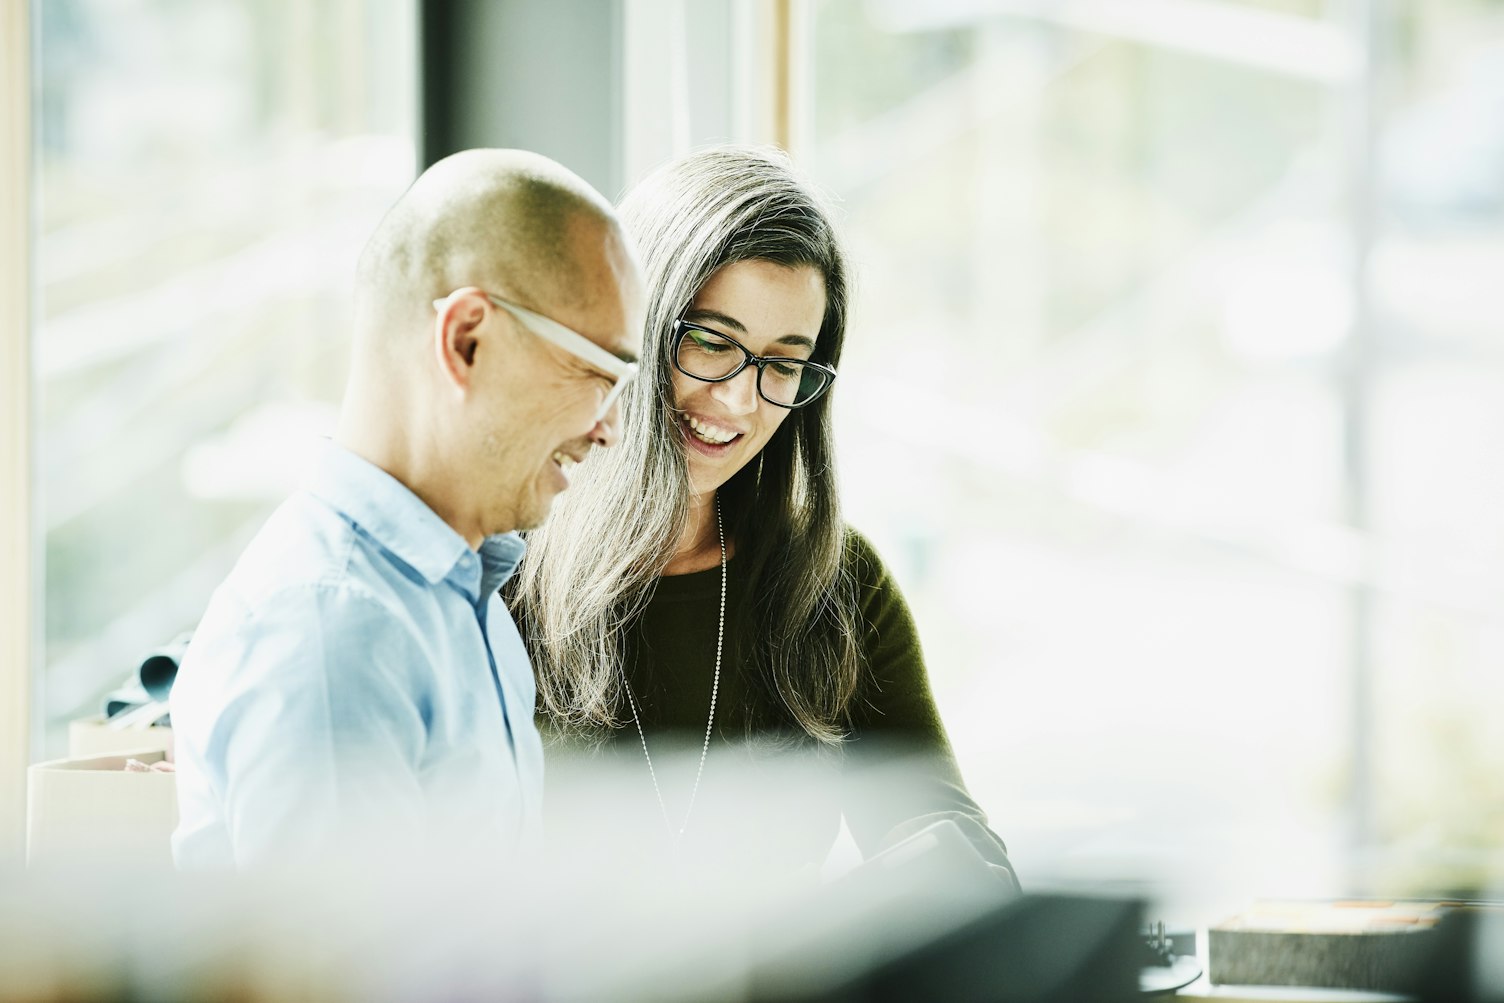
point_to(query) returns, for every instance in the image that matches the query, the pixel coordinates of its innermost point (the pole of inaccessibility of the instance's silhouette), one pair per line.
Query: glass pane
(207, 175)
(1122, 509)
(1437, 430)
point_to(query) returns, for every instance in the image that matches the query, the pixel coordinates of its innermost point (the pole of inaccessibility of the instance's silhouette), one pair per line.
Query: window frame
(17, 548)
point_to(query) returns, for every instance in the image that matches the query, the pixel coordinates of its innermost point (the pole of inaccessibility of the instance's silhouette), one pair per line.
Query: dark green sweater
(894, 773)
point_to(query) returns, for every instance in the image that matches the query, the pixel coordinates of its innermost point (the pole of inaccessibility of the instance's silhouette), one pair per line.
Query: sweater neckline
(696, 583)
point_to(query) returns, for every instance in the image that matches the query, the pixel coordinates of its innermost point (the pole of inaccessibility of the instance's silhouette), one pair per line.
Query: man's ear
(456, 335)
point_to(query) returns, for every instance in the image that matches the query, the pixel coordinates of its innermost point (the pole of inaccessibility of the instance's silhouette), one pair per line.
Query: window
(1201, 518)
(207, 174)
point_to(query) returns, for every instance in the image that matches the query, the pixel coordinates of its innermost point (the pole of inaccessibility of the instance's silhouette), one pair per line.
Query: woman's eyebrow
(718, 317)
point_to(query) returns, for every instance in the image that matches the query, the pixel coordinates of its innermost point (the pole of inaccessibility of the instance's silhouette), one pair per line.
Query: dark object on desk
(1167, 961)
(1466, 960)
(930, 919)
(1340, 945)
(1040, 949)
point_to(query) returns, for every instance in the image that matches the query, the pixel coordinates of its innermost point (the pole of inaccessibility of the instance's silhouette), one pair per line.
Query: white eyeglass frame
(571, 341)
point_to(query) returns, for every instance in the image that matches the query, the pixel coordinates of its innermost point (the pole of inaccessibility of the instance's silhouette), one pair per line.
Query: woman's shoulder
(888, 637)
(861, 562)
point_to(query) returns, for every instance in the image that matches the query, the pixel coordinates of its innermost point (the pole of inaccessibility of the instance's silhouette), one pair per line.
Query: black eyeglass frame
(761, 361)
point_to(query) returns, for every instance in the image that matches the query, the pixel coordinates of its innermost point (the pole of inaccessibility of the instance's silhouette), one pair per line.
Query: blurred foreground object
(926, 920)
(1466, 964)
(931, 918)
(1036, 949)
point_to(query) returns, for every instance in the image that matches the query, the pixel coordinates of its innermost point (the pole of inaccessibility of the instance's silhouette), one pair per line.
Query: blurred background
(1174, 393)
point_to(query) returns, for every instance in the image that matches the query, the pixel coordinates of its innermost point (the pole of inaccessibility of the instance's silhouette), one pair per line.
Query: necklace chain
(715, 687)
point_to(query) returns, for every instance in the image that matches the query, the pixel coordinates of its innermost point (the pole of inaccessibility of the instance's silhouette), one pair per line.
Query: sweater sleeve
(899, 772)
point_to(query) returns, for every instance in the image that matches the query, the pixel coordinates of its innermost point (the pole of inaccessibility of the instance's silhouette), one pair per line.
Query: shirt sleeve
(316, 744)
(899, 773)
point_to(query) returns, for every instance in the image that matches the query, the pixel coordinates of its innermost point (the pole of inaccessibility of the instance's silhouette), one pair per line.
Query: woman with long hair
(696, 585)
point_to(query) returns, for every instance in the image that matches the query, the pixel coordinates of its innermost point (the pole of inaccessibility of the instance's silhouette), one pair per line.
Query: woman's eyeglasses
(714, 357)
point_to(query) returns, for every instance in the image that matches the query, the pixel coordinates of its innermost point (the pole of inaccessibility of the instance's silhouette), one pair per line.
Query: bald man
(355, 686)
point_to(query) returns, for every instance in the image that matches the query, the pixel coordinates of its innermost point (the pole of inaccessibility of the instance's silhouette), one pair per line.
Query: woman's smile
(706, 439)
(709, 431)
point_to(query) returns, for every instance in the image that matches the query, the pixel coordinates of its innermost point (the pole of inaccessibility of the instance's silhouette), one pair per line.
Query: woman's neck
(700, 544)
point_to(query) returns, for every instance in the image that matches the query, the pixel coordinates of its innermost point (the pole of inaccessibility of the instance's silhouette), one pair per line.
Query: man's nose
(738, 394)
(607, 429)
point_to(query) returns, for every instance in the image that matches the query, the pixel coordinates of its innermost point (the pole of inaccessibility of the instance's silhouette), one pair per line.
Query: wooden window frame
(17, 546)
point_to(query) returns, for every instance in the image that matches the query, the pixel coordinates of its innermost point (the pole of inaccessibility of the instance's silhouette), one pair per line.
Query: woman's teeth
(706, 432)
(565, 461)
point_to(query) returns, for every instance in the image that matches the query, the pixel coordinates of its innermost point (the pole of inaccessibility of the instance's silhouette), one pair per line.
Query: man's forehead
(595, 288)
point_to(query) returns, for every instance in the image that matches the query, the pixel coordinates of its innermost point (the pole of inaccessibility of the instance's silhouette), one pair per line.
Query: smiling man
(356, 686)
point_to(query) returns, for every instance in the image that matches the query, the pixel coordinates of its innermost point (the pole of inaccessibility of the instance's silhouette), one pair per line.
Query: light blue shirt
(356, 678)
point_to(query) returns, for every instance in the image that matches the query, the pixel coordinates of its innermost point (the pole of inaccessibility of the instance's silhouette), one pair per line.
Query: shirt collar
(499, 557)
(385, 509)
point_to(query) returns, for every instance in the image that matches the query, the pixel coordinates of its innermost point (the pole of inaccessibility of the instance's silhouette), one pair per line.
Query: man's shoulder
(307, 588)
(303, 540)
(304, 551)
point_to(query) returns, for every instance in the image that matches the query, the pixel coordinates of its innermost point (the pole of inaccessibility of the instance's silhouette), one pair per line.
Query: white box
(92, 813)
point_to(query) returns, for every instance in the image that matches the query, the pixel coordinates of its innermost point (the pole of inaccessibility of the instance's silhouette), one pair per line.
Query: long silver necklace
(715, 687)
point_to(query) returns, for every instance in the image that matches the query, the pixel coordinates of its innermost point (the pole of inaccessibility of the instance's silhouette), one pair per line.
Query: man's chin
(535, 516)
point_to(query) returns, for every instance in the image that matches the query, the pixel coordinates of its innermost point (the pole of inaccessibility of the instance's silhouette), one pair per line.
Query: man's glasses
(714, 357)
(573, 342)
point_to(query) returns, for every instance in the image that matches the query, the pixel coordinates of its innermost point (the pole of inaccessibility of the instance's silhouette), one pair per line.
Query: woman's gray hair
(592, 567)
